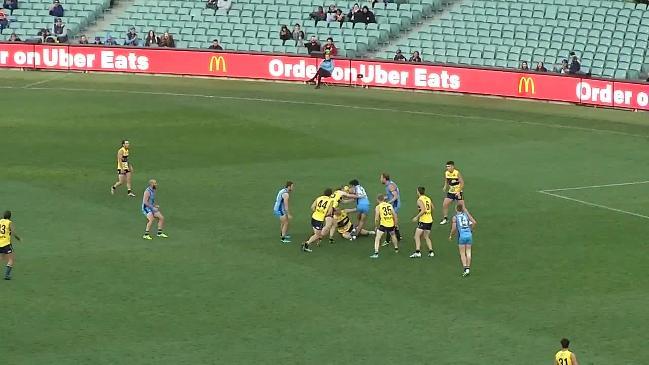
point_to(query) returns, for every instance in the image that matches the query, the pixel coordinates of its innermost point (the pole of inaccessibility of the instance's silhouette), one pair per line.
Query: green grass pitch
(222, 289)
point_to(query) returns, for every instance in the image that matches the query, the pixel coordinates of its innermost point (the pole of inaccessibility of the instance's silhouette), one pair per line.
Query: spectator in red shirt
(330, 46)
(318, 14)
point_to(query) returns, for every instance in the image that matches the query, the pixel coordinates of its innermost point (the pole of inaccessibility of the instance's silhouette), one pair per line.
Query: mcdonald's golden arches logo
(217, 64)
(526, 85)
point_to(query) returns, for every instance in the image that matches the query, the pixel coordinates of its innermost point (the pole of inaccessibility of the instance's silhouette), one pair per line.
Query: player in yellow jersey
(321, 218)
(344, 225)
(453, 187)
(7, 229)
(424, 220)
(386, 219)
(124, 169)
(565, 356)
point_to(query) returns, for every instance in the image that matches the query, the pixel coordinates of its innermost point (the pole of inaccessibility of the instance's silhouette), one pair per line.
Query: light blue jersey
(463, 225)
(362, 202)
(279, 209)
(146, 210)
(397, 203)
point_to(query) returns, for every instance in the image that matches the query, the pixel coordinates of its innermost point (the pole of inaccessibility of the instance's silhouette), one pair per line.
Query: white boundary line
(296, 102)
(41, 82)
(594, 205)
(596, 186)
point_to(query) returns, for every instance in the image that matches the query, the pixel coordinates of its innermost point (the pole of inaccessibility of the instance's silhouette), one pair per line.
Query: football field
(560, 193)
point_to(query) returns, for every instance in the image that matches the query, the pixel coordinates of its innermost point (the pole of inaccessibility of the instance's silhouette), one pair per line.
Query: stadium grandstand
(607, 38)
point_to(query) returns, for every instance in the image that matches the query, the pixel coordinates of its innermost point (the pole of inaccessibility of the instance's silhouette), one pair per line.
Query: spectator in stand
(43, 35)
(367, 16)
(575, 66)
(415, 57)
(525, 66)
(98, 41)
(354, 13)
(59, 31)
(11, 5)
(318, 14)
(151, 39)
(399, 56)
(340, 17)
(13, 38)
(167, 41)
(4, 21)
(325, 70)
(110, 41)
(331, 13)
(131, 38)
(215, 45)
(564, 67)
(298, 34)
(313, 45)
(83, 40)
(285, 34)
(540, 67)
(212, 4)
(330, 47)
(385, 2)
(56, 9)
(224, 5)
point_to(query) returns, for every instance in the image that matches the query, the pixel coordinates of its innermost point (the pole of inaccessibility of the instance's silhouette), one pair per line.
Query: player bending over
(7, 229)
(321, 218)
(152, 211)
(424, 220)
(282, 211)
(386, 219)
(345, 227)
(463, 223)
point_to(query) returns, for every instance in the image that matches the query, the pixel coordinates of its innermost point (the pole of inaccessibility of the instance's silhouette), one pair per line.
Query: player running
(345, 227)
(152, 211)
(393, 197)
(386, 219)
(7, 229)
(424, 220)
(124, 169)
(357, 192)
(565, 356)
(453, 187)
(281, 210)
(321, 218)
(462, 222)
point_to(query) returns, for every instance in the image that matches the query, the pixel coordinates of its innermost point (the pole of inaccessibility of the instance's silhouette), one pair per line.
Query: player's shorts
(316, 224)
(146, 210)
(396, 206)
(279, 212)
(4, 250)
(346, 229)
(465, 240)
(452, 196)
(385, 229)
(363, 207)
(123, 172)
(425, 226)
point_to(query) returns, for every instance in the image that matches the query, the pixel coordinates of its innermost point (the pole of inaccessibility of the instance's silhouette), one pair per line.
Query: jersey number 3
(3, 229)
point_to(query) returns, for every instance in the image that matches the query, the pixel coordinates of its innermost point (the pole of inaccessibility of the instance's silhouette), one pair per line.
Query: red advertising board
(541, 86)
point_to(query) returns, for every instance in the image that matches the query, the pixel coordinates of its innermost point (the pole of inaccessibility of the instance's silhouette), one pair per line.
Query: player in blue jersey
(393, 197)
(281, 210)
(152, 211)
(356, 191)
(463, 225)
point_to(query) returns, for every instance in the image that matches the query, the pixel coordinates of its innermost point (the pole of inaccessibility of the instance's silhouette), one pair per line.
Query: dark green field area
(223, 290)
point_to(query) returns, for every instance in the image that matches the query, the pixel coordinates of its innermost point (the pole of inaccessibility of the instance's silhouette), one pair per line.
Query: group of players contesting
(329, 216)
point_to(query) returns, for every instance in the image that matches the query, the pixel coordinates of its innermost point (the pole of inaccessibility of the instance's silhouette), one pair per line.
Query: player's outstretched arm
(377, 217)
(13, 232)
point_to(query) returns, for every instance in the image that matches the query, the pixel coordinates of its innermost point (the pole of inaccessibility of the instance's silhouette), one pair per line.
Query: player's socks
(130, 192)
(112, 189)
(331, 240)
(8, 272)
(305, 247)
(396, 231)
